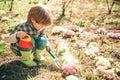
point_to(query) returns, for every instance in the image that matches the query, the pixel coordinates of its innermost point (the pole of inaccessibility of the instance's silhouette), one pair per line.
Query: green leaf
(2, 46)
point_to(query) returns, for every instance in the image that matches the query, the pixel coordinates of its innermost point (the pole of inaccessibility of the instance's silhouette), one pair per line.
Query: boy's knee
(41, 43)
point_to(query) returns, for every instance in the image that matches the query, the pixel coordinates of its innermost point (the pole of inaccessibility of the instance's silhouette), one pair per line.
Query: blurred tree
(65, 4)
(11, 3)
(110, 7)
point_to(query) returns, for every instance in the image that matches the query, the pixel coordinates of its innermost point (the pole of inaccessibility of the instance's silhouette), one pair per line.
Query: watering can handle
(53, 56)
(57, 62)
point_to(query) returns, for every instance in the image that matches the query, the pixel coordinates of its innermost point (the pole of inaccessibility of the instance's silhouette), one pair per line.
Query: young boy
(29, 37)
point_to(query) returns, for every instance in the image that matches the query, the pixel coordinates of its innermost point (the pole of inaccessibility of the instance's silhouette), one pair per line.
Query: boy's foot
(29, 63)
(39, 59)
(26, 59)
(43, 58)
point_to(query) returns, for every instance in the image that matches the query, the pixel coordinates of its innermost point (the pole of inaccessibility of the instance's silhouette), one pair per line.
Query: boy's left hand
(48, 48)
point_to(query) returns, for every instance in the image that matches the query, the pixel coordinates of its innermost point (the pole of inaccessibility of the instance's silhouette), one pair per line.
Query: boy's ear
(32, 20)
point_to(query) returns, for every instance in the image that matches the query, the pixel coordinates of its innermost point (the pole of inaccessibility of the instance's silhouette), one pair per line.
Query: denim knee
(41, 43)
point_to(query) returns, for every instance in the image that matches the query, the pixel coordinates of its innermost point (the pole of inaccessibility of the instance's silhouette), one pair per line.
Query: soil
(12, 69)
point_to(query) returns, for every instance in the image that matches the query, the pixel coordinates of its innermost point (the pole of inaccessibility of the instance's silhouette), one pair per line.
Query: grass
(100, 0)
(112, 21)
(80, 23)
(8, 25)
(2, 46)
(116, 8)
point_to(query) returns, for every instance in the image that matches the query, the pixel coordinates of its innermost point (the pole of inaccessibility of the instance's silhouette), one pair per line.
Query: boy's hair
(41, 14)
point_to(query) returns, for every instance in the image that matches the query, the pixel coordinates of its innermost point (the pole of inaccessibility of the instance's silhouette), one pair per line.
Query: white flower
(2, 12)
(5, 18)
(89, 52)
(62, 44)
(57, 30)
(94, 46)
(101, 61)
(92, 49)
(101, 31)
(62, 48)
(68, 59)
(72, 77)
(80, 44)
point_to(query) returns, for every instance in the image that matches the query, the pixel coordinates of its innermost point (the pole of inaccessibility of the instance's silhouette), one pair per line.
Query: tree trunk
(11, 5)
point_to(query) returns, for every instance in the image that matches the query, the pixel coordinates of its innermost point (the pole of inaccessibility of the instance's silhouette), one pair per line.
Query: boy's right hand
(21, 34)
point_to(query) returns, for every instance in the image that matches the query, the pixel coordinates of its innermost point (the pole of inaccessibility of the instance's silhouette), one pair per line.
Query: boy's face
(36, 25)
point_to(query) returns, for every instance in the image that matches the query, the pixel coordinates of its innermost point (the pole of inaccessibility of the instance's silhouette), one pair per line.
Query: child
(29, 36)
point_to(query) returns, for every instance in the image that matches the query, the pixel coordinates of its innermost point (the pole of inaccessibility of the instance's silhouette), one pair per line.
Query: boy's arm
(48, 43)
(48, 46)
(12, 38)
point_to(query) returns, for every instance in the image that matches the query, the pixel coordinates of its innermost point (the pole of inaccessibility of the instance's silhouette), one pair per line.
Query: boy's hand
(21, 34)
(48, 48)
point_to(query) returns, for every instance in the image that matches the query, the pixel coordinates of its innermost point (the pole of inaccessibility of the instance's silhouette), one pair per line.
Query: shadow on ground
(17, 71)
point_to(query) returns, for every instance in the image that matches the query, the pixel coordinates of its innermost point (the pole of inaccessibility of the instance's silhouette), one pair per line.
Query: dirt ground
(12, 69)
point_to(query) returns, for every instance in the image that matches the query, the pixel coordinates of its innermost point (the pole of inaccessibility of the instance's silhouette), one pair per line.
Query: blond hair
(41, 14)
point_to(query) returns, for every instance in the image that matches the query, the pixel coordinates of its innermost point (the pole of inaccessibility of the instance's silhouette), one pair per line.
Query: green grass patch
(116, 8)
(100, 0)
(112, 21)
(90, 75)
(7, 25)
(2, 46)
(80, 23)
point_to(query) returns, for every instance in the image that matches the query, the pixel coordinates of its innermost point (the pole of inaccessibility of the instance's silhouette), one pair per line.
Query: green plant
(2, 46)
(80, 23)
(116, 8)
(100, 0)
(33, 1)
(29, 77)
(110, 50)
(80, 71)
(103, 38)
(90, 75)
(112, 21)
(8, 25)
(81, 53)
